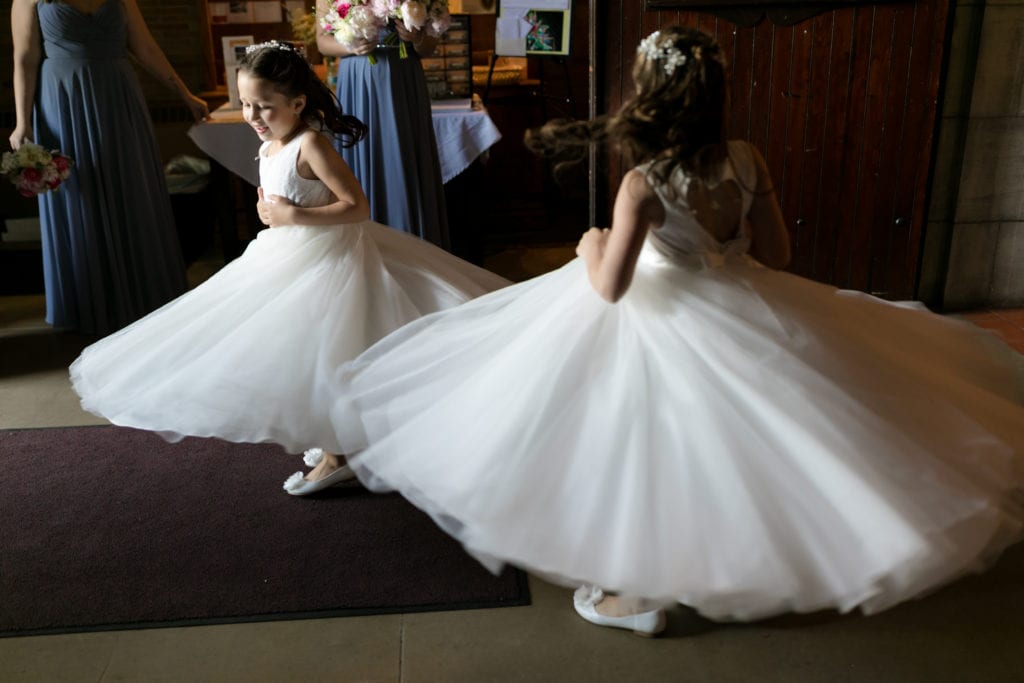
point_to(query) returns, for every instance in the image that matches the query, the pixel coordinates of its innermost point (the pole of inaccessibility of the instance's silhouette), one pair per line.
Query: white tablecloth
(463, 134)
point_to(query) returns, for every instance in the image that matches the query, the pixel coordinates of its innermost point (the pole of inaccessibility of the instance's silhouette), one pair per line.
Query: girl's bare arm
(611, 255)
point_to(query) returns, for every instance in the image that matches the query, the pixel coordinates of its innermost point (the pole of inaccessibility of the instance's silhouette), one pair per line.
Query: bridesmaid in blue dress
(110, 250)
(397, 164)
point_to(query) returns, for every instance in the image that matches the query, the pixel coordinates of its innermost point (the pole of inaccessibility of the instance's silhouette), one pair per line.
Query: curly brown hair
(676, 119)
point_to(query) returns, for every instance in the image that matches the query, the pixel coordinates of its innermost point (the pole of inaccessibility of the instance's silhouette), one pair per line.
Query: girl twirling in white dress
(245, 355)
(670, 418)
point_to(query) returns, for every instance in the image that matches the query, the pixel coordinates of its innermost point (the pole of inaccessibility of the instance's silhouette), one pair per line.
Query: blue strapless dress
(397, 164)
(110, 250)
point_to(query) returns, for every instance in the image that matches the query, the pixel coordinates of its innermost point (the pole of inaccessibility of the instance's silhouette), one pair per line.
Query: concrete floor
(972, 630)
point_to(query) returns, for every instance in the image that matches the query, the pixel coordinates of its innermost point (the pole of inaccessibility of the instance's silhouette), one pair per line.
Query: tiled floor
(1007, 323)
(972, 630)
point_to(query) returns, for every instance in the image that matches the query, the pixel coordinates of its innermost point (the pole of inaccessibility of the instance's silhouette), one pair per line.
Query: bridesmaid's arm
(144, 48)
(330, 47)
(27, 55)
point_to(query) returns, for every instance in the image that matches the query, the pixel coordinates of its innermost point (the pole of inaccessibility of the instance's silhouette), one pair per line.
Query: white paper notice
(533, 4)
(510, 35)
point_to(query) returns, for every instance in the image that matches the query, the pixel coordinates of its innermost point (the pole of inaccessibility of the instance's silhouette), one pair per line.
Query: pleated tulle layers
(735, 438)
(247, 355)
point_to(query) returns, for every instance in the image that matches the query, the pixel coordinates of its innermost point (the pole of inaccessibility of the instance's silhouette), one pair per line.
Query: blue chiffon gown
(110, 250)
(397, 164)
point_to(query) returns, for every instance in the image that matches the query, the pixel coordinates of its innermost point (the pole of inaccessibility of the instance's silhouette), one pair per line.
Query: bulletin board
(533, 27)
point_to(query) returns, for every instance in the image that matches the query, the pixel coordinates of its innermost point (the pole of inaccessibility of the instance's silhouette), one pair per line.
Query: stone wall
(974, 252)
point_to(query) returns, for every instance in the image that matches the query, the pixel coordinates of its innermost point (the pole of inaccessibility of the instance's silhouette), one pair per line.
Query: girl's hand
(20, 136)
(592, 243)
(274, 210)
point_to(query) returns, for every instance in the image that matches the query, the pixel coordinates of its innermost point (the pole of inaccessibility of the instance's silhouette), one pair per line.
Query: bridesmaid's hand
(361, 46)
(274, 210)
(415, 36)
(421, 41)
(20, 136)
(200, 110)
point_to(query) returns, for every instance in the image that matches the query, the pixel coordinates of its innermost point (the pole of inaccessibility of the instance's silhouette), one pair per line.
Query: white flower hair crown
(670, 54)
(270, 44)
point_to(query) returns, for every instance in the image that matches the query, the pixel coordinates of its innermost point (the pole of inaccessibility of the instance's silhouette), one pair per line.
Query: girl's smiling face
(272, 114)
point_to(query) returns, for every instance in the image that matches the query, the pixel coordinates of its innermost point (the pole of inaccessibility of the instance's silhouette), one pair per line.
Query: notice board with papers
(533, 27)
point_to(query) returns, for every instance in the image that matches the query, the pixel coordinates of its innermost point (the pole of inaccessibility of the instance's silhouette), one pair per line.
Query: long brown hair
(676, 118)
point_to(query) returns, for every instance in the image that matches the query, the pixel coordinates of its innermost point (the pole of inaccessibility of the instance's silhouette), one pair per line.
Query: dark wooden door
(841, 103)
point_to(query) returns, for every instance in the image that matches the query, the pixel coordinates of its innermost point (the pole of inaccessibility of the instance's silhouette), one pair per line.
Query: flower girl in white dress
(245, 356)
(670, 418)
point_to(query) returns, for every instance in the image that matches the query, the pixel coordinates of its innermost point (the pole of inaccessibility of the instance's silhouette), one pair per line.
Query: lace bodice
(683, 237)
(279, 175)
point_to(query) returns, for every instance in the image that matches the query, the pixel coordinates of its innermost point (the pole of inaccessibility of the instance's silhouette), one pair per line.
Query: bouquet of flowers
(349, 20)
(430, 15)
(33, 170)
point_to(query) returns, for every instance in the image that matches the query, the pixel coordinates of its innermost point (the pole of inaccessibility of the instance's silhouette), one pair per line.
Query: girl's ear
(299, 103)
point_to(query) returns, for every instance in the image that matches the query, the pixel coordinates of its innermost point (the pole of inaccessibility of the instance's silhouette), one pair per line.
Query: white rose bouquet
(350, 20)
(430, 15)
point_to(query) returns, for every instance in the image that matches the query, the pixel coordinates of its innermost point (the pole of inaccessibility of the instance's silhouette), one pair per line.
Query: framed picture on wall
(533, 27)
(549, 32)
(234, 49)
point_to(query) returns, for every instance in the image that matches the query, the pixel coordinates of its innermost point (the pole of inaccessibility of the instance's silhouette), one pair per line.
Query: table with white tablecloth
(463, 134)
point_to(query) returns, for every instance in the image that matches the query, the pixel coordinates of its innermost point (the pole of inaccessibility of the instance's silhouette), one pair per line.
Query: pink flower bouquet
(349, 20)
(33, 170)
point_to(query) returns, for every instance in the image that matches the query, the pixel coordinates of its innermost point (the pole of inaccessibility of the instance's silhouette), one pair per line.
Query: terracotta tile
(1004, 328)
(1012, 315)
(981, 318)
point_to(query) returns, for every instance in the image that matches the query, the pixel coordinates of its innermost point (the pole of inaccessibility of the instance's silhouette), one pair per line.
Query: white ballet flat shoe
(298, 485)
(313, 456)
(646, 624)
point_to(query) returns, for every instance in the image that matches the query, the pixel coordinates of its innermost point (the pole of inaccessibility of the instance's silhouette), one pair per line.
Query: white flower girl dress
(732, 437)
(246, 356)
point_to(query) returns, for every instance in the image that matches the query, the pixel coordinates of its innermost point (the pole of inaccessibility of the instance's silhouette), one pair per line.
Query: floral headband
(270, 45)
(671, 54)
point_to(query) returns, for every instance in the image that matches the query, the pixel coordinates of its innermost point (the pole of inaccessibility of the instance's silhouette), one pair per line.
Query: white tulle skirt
(247, 355)
(734, 438)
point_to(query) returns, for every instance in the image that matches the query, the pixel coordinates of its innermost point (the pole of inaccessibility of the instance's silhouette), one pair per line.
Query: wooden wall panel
(841, 104)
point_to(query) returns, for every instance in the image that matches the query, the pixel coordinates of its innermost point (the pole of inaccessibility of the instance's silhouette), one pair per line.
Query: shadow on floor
(31, 351)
